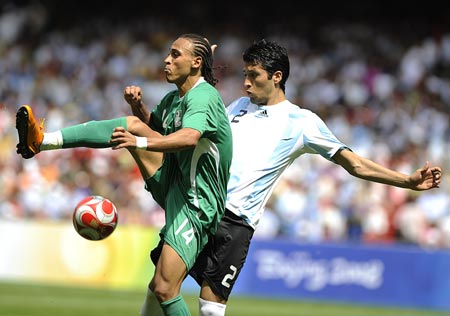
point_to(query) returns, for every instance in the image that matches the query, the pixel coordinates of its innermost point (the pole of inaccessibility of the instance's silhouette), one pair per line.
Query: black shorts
(222, 259)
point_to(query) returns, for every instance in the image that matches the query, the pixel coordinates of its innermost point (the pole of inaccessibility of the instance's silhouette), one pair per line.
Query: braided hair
(202, 48)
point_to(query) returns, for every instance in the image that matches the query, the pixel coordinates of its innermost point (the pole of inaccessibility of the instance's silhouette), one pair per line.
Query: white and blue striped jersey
(266, 140)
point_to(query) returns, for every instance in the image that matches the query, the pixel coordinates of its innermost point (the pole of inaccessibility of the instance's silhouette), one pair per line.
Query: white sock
(208, 308)
(52, 141)
(151, 306)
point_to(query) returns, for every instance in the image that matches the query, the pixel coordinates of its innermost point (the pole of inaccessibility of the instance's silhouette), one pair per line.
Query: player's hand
(120, 138)
(426, 178)
(133, 96)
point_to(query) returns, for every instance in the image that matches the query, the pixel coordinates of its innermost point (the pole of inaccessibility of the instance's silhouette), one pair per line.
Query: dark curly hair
(271, 56)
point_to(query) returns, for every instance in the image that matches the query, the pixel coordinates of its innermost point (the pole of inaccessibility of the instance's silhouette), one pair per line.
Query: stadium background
(377, 74)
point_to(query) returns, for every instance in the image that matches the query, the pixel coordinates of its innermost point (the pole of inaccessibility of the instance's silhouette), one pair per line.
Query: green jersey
(193, 181)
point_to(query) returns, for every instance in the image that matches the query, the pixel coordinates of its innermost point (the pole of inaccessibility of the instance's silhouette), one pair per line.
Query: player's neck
(188, 84)
(276, 98)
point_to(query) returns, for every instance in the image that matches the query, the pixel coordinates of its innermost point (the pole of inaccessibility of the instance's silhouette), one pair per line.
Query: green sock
(93, 134)
(175, 307)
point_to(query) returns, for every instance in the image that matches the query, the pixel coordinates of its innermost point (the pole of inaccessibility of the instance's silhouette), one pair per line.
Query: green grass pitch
(21, 299)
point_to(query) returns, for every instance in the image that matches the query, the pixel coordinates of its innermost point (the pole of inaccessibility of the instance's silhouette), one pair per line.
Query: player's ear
(197, 62)
(277, 76)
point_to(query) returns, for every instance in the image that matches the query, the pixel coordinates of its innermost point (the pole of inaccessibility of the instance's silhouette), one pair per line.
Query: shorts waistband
(230, 216)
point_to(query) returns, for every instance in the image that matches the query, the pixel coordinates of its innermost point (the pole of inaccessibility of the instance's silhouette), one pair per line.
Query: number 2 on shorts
(229, 276)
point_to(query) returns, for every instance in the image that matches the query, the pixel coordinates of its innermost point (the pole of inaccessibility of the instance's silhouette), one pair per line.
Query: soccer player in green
(184, 160)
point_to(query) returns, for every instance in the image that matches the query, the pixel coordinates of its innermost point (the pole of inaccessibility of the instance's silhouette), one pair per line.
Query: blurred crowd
(385, 94)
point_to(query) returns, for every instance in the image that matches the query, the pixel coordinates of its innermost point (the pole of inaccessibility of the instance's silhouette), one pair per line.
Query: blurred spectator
(387, 97)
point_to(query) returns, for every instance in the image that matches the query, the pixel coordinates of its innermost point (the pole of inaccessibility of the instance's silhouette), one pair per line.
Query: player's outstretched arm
(133, 96)
(424, 178)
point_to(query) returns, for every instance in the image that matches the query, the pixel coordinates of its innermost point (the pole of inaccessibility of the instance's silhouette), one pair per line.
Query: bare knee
(164, 291)
(137, 127)
(161, 290)
(134, 124)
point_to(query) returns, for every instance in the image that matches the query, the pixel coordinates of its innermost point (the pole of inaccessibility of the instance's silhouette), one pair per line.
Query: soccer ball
(95, 217)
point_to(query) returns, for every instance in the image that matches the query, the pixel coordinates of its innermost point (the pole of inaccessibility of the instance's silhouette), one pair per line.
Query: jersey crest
(177, 120)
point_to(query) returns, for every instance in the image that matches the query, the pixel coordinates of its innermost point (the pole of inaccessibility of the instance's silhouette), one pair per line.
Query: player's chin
(169, 77)
(256, 101)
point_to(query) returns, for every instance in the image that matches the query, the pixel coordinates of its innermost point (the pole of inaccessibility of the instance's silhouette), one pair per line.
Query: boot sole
(22, 117)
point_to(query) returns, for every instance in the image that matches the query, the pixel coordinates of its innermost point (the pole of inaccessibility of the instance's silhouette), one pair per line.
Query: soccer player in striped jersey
(269, 133)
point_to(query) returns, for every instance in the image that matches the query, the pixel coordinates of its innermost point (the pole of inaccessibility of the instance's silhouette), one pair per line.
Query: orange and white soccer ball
(95, 217)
